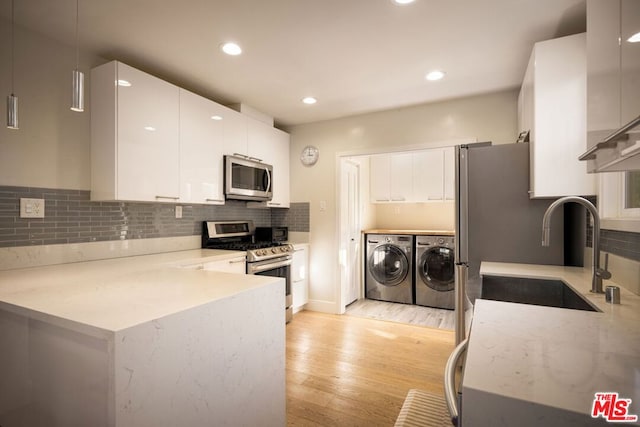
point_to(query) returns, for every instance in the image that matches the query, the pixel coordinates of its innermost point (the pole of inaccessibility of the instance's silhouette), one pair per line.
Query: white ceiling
(355, 56)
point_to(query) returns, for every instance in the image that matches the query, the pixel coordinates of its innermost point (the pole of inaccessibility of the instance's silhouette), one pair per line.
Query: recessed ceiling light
(231, 49)
(309, 100)
(124, 83)
(403, 1)
(216, 117)
(634, 38)
(435, 75)
(150, 128)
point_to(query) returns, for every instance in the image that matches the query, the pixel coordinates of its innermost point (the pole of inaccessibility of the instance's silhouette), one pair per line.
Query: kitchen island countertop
(143, 340)
(109, 295)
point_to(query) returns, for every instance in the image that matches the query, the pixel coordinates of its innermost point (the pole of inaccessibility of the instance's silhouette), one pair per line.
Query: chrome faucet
(598, 274)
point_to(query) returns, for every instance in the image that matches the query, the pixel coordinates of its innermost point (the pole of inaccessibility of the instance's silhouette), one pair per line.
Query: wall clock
(309, 155)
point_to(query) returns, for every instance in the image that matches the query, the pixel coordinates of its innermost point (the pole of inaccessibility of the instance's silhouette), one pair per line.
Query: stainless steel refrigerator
(496, 220)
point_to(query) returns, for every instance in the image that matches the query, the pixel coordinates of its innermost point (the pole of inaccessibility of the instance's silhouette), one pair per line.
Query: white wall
(490, 117)
(51, 148)
(415, 216)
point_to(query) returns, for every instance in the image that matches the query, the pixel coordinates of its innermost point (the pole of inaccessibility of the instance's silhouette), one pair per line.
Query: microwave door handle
(268, 180)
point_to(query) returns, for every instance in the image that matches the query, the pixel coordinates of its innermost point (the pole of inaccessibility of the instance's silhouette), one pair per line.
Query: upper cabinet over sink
(613, 84)
(552, 107)
(152, 141)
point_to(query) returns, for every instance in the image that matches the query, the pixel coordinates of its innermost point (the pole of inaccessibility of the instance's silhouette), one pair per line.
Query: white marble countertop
(100, 297)
(542, 365)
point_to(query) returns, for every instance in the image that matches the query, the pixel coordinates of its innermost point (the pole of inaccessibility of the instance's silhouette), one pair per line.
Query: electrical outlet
(31, 208)
(178, 212)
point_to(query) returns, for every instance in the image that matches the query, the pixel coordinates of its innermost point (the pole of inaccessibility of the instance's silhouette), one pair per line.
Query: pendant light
(12, 100)
(77, 76)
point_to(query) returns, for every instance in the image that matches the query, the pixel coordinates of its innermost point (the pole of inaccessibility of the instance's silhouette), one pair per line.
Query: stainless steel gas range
(266, 258)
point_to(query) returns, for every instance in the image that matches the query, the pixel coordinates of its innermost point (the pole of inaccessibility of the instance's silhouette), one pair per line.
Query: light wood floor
(350, 371)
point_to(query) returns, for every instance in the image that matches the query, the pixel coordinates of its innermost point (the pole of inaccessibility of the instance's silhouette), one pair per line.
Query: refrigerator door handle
(450, 382)
(462, 275)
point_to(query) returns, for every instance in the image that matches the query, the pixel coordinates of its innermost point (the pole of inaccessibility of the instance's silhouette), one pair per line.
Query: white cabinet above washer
(413, 177)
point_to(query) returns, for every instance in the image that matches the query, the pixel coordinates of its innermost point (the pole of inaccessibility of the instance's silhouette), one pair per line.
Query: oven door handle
(450, 381)
(254, 268)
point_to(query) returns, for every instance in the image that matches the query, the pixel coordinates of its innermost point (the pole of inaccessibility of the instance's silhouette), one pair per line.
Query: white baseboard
(322, 306)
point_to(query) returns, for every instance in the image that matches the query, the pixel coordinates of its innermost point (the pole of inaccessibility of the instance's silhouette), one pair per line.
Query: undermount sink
(550, 293)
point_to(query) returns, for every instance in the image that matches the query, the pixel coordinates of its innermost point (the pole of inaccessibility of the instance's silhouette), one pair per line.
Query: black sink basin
(550, 293)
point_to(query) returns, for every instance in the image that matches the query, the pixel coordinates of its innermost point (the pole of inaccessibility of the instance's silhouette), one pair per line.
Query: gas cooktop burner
(238, 236)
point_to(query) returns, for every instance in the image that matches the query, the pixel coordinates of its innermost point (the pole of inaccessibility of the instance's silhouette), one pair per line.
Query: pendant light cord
(13, 66)
(77, 37)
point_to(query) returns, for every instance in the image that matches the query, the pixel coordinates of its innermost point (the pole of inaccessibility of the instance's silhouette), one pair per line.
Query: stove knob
(274, 250)
(261, 252)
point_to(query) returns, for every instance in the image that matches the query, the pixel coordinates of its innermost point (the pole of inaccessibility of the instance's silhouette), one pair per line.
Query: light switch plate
(31, 208)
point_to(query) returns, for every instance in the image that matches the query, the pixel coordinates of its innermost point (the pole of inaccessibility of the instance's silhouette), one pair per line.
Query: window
(619, 201)
(632, 190)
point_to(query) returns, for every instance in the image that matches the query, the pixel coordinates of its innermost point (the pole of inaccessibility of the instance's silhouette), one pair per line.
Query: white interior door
(350, 231)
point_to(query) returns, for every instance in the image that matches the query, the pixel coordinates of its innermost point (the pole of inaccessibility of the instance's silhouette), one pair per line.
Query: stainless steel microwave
(247, 179)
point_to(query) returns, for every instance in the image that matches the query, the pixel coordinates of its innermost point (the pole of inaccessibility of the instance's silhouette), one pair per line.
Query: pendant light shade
(12, 111)
(77, 92)
(77, 76)
(12, 100)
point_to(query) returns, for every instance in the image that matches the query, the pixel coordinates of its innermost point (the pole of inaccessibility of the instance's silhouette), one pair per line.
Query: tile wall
(70, 217)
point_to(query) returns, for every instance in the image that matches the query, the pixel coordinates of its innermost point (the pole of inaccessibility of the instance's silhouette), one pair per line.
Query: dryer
(435, 271)
(389, 268)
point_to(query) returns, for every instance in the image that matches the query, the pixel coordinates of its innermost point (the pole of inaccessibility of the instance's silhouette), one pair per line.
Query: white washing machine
(435, 271)
(389, 267)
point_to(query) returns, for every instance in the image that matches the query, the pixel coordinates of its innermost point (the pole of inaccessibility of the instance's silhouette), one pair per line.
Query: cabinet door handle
(241, 155)
(298, 250)
(213, 200)
(401, 199)
(168, 197)
(274, 204)
(236, 261)
(254, 158)
(382, 200)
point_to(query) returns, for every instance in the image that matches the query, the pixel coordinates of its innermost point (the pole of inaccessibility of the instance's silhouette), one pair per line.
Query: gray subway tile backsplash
(70, 217)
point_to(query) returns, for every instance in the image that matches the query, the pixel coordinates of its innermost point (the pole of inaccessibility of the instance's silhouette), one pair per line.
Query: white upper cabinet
(552, 106)
(153, 141)
(629, 61)
(428, 175)
(235, 133)
(134, 135)
(414, 177)
(202, 124)
(449, 173)
(391, 178)
(271, 146)
(401, 178)
(379, 182)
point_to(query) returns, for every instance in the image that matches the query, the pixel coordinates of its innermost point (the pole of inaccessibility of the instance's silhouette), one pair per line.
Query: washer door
(388, 265)
(437, 268)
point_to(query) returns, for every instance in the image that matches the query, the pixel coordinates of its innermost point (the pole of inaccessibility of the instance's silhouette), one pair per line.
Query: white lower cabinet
(300, 276)
(233, 265)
